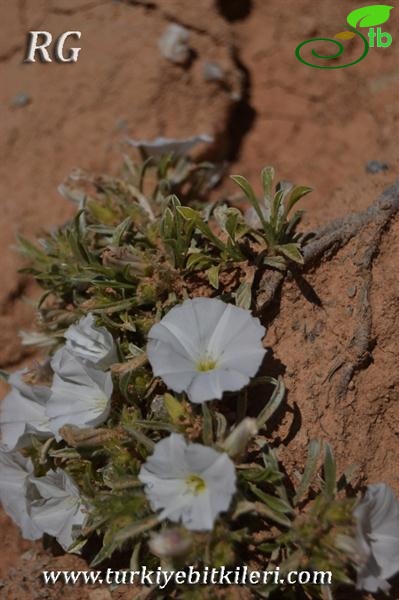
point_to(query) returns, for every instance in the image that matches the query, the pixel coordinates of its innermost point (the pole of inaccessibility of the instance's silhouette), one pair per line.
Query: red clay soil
(317, 127)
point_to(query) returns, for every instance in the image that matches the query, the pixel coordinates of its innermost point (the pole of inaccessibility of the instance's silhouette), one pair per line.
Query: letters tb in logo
(39, 41)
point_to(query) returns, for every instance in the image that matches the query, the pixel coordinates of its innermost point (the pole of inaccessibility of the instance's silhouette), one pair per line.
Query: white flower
(60, 509)
(93, 344)
(189, 482)
(377, 517)
(162, 145)
(15, 470)
(22, 413)
(80, 394)
(206, 347)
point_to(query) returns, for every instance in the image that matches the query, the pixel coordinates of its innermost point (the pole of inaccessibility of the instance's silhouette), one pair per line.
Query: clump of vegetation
(154, 353)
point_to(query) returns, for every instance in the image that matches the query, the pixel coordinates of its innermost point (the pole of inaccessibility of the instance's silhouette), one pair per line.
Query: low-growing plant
(150, 419)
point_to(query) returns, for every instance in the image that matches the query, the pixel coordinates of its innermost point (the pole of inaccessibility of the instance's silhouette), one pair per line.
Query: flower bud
(236, 443)
(170, 543)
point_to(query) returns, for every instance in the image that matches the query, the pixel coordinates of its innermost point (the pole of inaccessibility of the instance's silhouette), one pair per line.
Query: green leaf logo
(369, 16)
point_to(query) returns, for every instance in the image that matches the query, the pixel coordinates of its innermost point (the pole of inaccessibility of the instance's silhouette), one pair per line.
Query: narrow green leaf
(141, 438)
(272, 405)
(243, 295)
(250, 194)
(198, 261)
(137, 528)
(276, 209)
(291, 251)
(277, 262)
(245, 506)
(120, 231)
(207, 426)
(134, 559)
(330, 472)
(297, 193)
(275, 504)
(267, 183)
(213, 276)
(188, 213)
(174, 407)
(221, 426)
(309, 471)
(292, 224)
(193, 215)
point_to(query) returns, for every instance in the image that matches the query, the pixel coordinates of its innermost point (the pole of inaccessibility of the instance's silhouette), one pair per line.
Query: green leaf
(141, 438)
(243, 295)
(137, 528)
(198, 261)
(297, 193)
(267, 183)
(175, 409)
(275, 504)
(273, 404)
(250, 194)
(293, 223)
(276, 210)
(167, 223)
(277, 262)
(213, 276)
(221, 426)
(369, 16)
(120, 231)
(30, 250)
(259, 474)
(291, 251)
(309, 471)
(268, 513)
(188, 213)
(193, 215)
(330, 472)
(207, 428)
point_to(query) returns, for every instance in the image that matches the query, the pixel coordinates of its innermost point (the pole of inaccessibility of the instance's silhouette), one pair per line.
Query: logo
(370, 17)
(39, 41)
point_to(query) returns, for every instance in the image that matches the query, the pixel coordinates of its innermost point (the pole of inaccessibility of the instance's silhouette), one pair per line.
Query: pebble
(212, 71)
(376, 166)
(351, 291)
(174, 45)
(21, 100)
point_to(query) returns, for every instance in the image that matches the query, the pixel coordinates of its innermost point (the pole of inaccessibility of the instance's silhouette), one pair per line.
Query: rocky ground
(243, 85)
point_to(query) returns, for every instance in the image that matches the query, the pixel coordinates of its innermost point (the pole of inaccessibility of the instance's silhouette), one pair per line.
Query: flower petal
(206, 347)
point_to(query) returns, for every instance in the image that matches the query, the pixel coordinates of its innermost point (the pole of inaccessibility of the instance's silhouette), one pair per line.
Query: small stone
(351, 291)
(213, 72)
(21, 100)
(122, 124)
(174, 46)
(376, 166)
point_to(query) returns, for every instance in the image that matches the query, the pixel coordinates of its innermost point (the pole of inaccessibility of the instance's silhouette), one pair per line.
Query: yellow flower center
(195, 484)
(206, 363)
